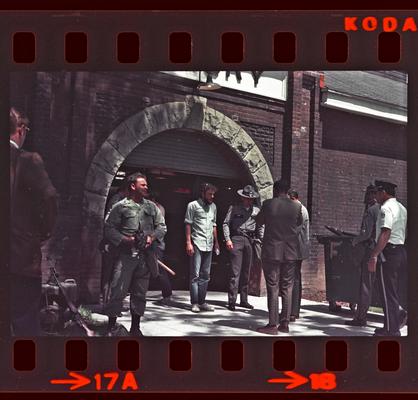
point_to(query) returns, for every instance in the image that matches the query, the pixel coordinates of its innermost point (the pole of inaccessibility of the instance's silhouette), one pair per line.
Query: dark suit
(33, 202)
(282, 218)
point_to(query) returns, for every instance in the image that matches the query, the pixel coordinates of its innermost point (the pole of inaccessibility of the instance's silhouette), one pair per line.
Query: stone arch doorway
(192, 114)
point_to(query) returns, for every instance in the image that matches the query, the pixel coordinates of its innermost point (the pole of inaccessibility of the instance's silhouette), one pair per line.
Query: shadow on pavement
(344, 313)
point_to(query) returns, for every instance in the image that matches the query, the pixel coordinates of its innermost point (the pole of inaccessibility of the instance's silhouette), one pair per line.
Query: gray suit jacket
(282, 218)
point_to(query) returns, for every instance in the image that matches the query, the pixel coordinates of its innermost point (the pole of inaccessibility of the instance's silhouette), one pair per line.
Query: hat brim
(255, 196)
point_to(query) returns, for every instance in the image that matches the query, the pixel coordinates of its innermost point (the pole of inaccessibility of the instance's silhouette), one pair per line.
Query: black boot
(135, 331)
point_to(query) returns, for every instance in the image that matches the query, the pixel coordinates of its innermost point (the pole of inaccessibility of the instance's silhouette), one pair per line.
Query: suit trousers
(241, 260)
(388, 281)
(297, 290)
(130, 275)
(279, 280)
(367, 281)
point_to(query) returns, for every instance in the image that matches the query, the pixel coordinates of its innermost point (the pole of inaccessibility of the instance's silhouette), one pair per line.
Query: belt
(251, 235)
(394, 246)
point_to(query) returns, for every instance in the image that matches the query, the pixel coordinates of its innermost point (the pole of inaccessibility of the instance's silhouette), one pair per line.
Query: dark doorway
(176, 188)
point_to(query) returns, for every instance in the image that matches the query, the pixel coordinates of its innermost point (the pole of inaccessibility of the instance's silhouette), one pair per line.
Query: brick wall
(340, 180)
(362, 134)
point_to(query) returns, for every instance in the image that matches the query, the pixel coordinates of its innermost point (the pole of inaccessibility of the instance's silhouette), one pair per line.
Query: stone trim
(193, 114)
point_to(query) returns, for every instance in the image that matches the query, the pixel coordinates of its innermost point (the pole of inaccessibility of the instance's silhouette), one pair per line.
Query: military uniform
(240, 227)
(367, 239)
(131, 269)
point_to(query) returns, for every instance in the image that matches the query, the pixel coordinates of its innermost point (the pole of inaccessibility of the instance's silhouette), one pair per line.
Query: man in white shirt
(390, 240)
(304, 248)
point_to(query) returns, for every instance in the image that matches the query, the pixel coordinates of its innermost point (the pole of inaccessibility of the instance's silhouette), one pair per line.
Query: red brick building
(330, 133)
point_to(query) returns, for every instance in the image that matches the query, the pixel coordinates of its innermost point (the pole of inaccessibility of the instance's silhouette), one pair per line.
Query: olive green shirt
(126, 217)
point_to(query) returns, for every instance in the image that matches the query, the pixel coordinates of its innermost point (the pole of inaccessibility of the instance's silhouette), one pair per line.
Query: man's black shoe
(292, 318)
(245, 304)
(384, 332)
(268, 329)
(231, 307)
(356, 322)
(283, 327)
(403, 318)
(135, 333)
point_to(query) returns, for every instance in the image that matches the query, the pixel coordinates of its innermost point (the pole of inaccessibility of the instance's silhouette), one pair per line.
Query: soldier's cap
(388, 187)
(249, 192)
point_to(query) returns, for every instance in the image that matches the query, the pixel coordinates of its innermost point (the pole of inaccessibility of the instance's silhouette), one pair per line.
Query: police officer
(366, 238)
(132, 267)
(390, 238)
(240, 231)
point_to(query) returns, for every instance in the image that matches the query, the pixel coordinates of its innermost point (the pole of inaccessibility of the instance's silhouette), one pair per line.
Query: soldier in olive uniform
(240, 231)
(132, 267)
(366, 238)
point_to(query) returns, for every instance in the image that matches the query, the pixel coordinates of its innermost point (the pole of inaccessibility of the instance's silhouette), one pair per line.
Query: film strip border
(273, 40)
(180, 46)
(286, 40)
(212, 364)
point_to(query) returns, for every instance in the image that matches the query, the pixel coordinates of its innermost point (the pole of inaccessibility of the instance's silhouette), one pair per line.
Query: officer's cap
(387, 187)
(249, 192)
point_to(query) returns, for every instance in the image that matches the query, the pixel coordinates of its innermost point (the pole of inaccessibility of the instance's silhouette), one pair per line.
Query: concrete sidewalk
(178, 320)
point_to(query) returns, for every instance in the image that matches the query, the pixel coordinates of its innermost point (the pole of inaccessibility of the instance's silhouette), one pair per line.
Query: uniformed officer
(366, 238)
(390, 238)
(240, 231)
(132, 268)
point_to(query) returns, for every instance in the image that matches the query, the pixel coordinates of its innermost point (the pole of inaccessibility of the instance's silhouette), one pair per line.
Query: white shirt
(393, 216)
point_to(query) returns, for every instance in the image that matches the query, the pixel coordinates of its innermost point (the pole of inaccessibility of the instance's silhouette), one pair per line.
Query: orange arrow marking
(294, 380)
(78, 382)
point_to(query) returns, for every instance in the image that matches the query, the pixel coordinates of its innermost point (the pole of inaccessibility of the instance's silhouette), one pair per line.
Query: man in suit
(33, 204)
(282, 218)
(304, 248)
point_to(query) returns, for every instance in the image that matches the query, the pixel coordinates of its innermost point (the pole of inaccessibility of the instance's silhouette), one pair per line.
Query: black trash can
(342, 267)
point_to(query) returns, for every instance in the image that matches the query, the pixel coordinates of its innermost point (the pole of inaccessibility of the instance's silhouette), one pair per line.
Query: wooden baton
(169, 270)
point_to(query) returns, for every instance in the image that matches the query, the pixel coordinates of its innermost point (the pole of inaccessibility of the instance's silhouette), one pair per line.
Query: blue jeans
(200, 263)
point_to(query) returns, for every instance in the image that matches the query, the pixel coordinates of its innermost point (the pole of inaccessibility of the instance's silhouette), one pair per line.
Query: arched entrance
(192, 115)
